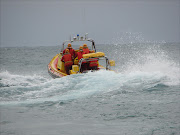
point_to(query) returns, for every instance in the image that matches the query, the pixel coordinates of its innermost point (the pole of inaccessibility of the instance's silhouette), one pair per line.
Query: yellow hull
(53, 67)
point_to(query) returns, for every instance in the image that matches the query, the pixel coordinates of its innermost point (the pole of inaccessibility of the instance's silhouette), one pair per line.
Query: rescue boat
(56, 67)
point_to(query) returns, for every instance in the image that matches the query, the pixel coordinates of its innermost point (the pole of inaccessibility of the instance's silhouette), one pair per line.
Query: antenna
(86, 36)
(70, 37)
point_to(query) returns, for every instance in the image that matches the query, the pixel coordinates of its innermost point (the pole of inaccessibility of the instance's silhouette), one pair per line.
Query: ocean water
(142, 96)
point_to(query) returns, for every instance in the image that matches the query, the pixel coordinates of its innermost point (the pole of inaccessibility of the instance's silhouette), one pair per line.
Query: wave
(9, 80)
(148, 58)
(19, 89)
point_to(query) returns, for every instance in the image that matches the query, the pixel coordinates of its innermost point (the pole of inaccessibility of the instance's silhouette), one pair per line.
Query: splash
(155, 60)
(147, 57)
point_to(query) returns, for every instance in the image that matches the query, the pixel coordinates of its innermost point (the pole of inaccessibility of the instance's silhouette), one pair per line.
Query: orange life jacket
(67, 59)
(80, 55)
(86, 50)
(93, 63)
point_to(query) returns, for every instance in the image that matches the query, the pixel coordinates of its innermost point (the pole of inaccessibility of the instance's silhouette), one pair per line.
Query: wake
(19, 89)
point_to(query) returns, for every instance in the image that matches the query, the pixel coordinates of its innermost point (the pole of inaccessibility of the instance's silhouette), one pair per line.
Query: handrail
(77, 40)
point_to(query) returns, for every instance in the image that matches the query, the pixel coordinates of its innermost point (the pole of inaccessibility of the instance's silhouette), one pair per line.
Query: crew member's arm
(62, 59)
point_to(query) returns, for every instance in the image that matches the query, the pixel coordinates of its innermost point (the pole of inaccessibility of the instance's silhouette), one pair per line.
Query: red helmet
(67, 51)
(84, 45)
(80, 48)
(69, 45)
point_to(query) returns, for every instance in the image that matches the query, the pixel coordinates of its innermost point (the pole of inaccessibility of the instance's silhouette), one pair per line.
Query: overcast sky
(50, 22)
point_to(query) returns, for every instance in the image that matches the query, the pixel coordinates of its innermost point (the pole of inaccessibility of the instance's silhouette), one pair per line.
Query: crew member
(79, 54)
(71, 50)
(67, 59)
(85, 49)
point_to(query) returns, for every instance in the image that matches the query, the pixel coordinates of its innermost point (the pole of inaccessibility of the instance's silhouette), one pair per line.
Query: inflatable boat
(56, 67)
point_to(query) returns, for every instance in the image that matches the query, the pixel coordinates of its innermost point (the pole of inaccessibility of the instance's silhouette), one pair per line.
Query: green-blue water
(141, 98)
